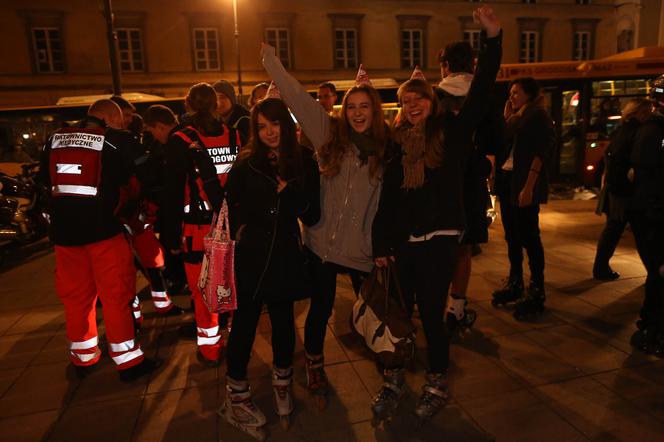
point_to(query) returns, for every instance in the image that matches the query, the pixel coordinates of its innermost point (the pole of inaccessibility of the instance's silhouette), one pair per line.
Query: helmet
(657, 89)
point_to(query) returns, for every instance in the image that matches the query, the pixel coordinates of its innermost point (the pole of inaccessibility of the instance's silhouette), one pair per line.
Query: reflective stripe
(122, 346)
(84, 345)
(206, 205)
(162, 304)
(136, 302)
(75, 190)
(159, 295)
(85, 357)
(208, 341)
(214, 331)
(69, 169)
(223, 168)
(137, 314)
(126, 357)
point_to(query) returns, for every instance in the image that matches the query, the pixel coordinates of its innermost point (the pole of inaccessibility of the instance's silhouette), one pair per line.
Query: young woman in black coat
(522, 185)
(420, 216)
(273, 184)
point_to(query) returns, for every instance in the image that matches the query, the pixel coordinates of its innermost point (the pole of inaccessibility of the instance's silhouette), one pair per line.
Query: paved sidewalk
(569, 375)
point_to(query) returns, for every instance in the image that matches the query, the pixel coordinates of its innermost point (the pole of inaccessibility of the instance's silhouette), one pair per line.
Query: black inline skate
(511, 292)
(532, 305)
(459, 318)
(391, 394)
(434, 397)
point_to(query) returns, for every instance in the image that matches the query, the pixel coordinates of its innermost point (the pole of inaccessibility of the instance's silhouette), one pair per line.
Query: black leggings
(425, 271)
(608, 240)
(322, 299)
(243, 333)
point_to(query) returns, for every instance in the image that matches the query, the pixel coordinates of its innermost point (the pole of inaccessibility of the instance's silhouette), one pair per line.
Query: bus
(585, 99)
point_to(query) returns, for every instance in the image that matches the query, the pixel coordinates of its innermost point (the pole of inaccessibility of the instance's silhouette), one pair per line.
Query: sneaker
(606, 274)
(207, 362)
(176, 310)
(82, 371)
(144, 368)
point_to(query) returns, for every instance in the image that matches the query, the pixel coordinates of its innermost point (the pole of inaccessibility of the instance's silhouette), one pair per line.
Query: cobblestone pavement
(569, 375)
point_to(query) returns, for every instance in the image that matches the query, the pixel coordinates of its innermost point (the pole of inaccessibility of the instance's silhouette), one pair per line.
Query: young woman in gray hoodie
(351, 151)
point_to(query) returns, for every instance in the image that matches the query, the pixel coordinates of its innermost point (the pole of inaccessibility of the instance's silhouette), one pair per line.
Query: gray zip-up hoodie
(348, 200)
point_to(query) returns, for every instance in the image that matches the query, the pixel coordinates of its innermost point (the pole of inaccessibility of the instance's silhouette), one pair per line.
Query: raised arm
(311, 116)
(488, 64)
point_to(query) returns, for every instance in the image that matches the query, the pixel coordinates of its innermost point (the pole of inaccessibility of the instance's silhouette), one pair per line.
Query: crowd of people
(343, 193)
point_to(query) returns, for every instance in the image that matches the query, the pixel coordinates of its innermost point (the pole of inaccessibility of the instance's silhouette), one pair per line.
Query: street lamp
(237, 49)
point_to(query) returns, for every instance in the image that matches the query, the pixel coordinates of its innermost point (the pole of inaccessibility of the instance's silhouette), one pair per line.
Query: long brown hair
(330, 155)
(201, 101)
(289, 152)
(433, 136)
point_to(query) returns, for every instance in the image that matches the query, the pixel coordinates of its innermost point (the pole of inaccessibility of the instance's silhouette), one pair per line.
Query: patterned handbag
(217, 278)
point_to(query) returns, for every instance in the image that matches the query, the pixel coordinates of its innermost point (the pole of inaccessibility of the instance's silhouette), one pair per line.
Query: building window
(279, 38)
(473, 36)
(206, 49)
(345, 48)
(582, 2)
(412, 47)
(47, 47)
(581, 49)
(130, 43)
(529, 47)
(530, 2)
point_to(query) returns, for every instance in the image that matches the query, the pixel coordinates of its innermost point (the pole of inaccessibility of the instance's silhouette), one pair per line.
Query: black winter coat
(438, 204)
(269, 259)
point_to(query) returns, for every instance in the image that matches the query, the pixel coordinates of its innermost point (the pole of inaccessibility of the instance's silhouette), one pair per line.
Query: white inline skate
(282, 380)
(240, 411)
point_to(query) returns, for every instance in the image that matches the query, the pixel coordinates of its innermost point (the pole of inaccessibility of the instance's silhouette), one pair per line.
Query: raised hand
(486, 16)
(266, 49)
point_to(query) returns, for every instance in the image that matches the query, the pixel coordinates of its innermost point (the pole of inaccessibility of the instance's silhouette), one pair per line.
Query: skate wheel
(284, 422)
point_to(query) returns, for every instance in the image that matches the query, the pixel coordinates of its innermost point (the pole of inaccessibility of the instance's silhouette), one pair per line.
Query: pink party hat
(418, 74)
(362, 77)
(273, 91)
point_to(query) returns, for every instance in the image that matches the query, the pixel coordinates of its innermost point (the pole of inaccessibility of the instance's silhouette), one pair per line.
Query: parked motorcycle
(23, 217)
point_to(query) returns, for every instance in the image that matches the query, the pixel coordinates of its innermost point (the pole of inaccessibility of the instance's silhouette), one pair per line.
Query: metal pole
(112, 48)
(237, 49)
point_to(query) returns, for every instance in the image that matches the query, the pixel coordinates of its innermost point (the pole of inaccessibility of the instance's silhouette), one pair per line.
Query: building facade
(56, 49)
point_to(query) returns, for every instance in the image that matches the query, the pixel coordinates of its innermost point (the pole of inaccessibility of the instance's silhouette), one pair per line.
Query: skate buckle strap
(281, 382)
(441, 393)
(393, 387)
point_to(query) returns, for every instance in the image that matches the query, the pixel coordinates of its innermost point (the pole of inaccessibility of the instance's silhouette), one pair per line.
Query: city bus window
(571, 132)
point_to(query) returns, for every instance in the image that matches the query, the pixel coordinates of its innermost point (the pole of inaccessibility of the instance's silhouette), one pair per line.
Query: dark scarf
(366, 144)
(417, 153)
(516, 120)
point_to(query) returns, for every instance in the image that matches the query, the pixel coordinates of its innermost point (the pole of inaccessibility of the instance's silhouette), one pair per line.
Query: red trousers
(101, 269)
(207, 324)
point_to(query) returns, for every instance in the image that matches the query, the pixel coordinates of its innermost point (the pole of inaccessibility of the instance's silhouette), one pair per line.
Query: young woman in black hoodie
(420, 216)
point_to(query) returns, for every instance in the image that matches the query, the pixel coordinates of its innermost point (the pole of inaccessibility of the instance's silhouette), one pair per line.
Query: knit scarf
(416, 154)
(366, 144)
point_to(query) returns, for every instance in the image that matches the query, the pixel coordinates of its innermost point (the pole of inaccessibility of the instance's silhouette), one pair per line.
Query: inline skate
(240, 411)
(511, 292)
(317, 380)
(391, 394)
(532, 305)
(458, 317)
(282, 380)
(433, 399)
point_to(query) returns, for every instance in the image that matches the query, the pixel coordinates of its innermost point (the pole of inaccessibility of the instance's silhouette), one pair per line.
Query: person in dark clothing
(644, 211)
(233, 114)
(522, 185)
(457, 70)
(616, 158)
(421, 217)
(273, 184)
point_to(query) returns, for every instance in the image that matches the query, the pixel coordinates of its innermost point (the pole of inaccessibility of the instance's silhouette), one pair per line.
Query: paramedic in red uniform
(84, 170)
(198, 157)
